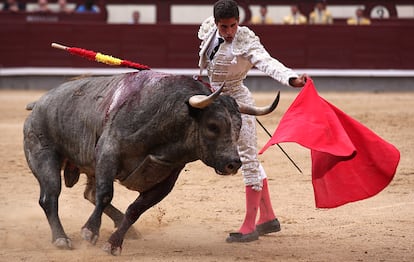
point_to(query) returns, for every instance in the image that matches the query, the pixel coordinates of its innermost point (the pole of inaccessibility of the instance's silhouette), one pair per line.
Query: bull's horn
(259, 111)
(201, 101)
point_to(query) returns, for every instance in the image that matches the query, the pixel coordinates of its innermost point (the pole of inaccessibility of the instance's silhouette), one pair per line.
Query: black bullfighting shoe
(268, 227)
(239, 237)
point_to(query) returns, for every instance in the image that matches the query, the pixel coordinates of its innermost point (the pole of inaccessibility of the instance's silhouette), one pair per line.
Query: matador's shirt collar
(243, 40)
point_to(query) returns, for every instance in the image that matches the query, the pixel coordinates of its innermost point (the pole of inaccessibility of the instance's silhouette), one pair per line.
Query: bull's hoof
(112, 250)
(89, 236)
(63, 243)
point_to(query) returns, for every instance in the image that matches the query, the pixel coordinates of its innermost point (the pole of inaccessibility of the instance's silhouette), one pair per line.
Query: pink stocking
(252, 205)
(266, 210)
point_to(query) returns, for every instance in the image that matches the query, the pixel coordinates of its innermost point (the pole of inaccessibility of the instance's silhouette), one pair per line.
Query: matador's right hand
(298, 81)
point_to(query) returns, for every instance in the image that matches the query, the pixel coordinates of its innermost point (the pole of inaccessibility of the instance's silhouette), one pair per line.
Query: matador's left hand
(298, 81)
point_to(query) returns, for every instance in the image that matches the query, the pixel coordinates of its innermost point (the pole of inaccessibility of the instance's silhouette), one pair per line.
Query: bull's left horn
(202, 101)
(259, 111)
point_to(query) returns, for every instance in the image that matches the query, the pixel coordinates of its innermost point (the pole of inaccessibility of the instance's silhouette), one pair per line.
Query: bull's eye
(213, 128)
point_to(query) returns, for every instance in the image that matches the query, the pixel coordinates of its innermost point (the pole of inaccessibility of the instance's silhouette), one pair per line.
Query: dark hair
(224, 9)
(89, 5)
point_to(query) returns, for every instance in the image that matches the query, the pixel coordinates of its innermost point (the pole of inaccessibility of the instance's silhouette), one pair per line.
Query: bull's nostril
(233, 166)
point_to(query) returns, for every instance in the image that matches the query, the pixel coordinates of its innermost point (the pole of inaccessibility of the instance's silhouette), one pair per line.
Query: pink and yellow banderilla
(99, 57)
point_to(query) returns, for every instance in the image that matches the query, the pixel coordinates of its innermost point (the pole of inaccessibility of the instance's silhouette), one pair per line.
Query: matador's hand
(298, 81)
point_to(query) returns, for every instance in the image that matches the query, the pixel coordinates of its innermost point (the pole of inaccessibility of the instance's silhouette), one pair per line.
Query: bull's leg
(136, 209)
(110, 210)
(104, 194)
(104, 177)
(45, 165)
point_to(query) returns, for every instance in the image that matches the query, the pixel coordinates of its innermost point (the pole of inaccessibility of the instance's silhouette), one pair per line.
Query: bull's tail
(30, 106)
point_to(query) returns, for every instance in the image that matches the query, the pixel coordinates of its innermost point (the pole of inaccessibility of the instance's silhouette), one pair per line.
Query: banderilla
(284, 152)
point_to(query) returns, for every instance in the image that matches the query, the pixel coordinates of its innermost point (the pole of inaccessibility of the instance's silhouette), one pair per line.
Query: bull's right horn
(202, 101)
(259, 111)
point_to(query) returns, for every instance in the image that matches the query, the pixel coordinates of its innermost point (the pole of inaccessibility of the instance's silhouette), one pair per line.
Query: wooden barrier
(177, 46)
(26, 38)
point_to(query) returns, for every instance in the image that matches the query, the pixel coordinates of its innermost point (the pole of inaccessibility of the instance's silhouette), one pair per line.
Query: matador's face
(227, 28)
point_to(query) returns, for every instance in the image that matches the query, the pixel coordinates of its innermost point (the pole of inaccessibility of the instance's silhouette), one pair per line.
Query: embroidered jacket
(233, 60)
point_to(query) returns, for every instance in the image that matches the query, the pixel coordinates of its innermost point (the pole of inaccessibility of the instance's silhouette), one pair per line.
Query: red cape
(349, 161)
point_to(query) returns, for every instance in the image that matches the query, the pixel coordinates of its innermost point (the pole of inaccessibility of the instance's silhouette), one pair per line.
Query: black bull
(137, 128)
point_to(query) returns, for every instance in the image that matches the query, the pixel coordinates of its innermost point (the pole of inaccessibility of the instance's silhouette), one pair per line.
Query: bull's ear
(259, 111)
(202, 101)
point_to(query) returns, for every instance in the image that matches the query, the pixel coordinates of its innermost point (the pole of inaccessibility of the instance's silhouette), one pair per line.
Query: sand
(191, 224)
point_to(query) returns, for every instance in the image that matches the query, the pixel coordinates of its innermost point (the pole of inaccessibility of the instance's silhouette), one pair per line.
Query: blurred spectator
(359, 18)
(262, 18)
(320, 15)
(295, 17)
(13, 6)
(135, 17)
(42, 6)
(63, 7)
(88, 6)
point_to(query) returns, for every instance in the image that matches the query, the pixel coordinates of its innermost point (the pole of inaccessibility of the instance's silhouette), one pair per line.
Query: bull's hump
(131, 85)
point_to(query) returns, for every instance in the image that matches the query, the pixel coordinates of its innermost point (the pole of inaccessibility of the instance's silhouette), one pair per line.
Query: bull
(139, 129)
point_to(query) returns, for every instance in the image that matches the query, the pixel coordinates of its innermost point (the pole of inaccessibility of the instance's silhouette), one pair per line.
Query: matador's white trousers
(252, 171)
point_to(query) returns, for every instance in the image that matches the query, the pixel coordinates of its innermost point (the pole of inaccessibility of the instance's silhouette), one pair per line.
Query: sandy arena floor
(191, 224)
